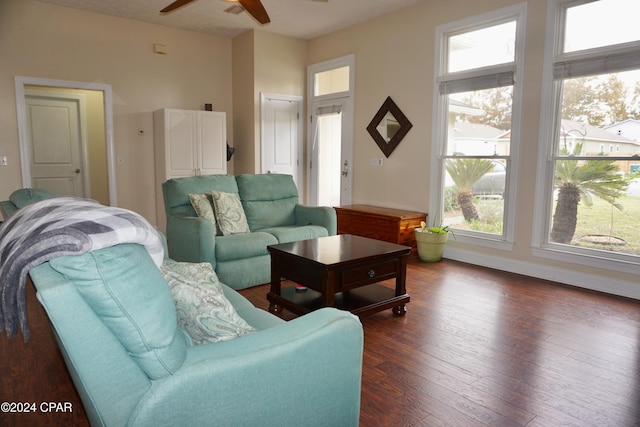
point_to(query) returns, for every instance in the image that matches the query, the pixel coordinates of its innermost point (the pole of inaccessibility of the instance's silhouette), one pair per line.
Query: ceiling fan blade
(256, 9)
(176, 4)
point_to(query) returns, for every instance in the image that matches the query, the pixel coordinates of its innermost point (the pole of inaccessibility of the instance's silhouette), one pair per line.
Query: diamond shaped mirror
(389, 126)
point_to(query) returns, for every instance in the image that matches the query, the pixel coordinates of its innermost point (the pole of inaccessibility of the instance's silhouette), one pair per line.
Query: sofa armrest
(191, 239)
(304, 372)
(7, 209)
(317, 215)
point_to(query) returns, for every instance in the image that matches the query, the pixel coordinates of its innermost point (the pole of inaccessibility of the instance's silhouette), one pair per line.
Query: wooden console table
(390, 225)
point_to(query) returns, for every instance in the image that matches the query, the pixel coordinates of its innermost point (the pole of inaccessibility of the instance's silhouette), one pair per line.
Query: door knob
(77, 171)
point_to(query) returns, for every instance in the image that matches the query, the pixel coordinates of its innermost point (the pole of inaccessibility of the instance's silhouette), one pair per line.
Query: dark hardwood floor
(477, 347)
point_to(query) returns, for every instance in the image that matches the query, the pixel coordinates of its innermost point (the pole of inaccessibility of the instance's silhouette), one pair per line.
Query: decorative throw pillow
(229, 213)
(203, 205)
(203, 310)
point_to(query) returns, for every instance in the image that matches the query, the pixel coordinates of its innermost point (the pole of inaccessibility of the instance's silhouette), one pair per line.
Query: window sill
(486, 242)
(594, 259)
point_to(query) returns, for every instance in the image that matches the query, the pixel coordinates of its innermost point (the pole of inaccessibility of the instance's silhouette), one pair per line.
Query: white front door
(331, 152)
(55, 143)
(281, 138)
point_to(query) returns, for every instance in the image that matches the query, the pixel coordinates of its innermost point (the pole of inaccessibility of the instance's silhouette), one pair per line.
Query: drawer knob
(371, 273)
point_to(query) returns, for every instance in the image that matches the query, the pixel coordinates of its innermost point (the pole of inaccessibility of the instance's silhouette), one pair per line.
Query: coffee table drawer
(370, 273)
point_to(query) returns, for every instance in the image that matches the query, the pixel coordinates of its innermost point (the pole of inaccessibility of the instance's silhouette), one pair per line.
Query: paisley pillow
(203, 205)
(204, 313)
(229, 213)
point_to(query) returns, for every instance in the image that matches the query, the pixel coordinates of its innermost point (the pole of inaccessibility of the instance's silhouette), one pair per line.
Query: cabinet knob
(371, 273)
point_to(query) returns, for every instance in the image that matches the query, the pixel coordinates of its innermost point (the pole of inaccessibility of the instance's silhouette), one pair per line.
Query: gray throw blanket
(57, 227)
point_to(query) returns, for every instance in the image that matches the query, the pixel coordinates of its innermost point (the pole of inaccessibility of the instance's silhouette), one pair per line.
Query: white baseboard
(601, 283)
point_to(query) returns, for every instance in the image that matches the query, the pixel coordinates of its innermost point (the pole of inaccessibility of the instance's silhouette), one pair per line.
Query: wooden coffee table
(339, 271)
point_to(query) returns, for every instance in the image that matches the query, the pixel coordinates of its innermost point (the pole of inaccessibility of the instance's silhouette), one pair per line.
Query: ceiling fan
(254, 7)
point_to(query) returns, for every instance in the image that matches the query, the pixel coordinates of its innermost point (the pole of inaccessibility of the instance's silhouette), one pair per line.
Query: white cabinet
(187, 143)
(190, 143)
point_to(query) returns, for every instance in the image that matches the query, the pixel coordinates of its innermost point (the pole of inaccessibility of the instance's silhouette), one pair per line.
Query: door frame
(82, 119)
(23, 135)
(264, 97)
(348, 126)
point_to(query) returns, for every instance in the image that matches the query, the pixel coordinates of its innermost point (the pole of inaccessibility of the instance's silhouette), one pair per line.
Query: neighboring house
(596, 140)
(629, 129)
(479, 139)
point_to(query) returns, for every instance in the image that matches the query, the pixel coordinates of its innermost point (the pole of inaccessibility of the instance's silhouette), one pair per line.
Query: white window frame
(598, 60)
(513, 71)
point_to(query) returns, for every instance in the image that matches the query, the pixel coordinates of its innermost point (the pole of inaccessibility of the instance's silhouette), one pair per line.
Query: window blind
(328, 109)
(465, 83)
(586, 66)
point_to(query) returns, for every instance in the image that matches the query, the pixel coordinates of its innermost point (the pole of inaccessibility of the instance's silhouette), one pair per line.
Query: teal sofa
(132, 365)
(273, 213)
(21, 198)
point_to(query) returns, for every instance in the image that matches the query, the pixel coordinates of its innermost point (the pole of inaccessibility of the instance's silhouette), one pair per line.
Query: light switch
(4, 161)
(160, 48)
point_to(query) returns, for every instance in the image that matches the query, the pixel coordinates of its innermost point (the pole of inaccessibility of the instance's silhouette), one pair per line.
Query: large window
(476, 133)
(590, 195)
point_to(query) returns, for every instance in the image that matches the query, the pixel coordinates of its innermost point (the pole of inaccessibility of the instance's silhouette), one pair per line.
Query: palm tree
(578, 181)
(464, 173)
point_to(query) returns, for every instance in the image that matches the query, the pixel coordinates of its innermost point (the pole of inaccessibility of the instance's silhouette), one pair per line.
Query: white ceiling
(304, 19)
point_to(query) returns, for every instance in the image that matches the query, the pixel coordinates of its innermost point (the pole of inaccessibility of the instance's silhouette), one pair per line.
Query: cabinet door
(181, 143)
(212, 150)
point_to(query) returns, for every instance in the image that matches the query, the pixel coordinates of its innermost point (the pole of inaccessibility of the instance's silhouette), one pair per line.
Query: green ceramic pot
(430, 245)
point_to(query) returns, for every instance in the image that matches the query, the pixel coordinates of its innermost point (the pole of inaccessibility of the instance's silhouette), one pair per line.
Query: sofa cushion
(229, 213)
(176, 191)
(26, 196)
(126, 290)
(203, 205)
(294, 233)
(203, 310)
(269, 200)
(245, 245)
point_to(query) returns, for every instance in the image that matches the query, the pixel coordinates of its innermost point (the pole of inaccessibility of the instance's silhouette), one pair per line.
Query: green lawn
(603, 219)
(600, 219)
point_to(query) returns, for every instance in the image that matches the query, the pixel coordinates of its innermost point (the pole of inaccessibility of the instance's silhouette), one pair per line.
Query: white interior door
(281, 137)
(55, 137)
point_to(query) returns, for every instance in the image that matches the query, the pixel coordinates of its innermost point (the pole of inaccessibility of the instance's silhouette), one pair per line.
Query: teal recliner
(23, 197)
(273, 213)
(115, 322)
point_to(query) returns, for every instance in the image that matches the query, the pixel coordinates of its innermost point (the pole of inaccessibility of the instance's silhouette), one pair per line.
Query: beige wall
(395, 57)
(262, 62)
(42, 40)
(243, 104)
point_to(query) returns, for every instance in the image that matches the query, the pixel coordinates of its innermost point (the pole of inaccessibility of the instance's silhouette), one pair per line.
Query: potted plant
(431, 242)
